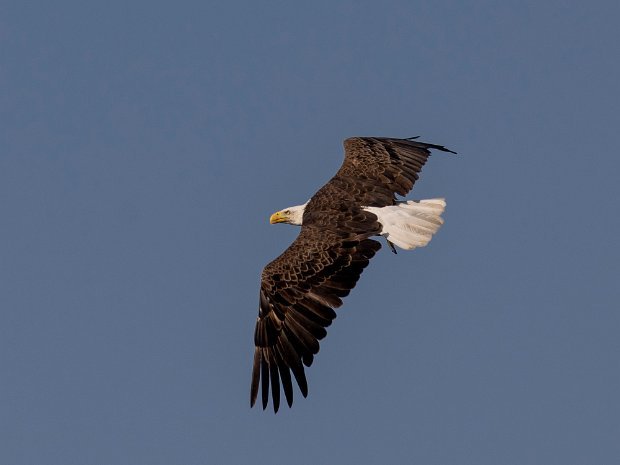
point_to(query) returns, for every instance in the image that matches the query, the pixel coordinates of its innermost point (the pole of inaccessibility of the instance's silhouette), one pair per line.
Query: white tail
(412, 223)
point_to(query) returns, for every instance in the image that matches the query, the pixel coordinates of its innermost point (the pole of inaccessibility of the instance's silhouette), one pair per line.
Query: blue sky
(144, 147)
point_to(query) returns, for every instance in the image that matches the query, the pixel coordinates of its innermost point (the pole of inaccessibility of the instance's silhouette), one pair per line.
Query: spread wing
(377, 168)
(298, 294)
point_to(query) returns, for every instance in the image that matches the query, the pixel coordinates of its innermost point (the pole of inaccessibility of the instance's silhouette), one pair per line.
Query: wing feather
(285, 376)
(274, 374)
(264, 369)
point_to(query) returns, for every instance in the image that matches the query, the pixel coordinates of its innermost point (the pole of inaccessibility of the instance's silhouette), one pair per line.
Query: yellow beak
(277, 217)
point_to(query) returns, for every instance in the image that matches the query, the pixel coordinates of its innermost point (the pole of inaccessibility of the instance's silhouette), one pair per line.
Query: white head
(290, 215)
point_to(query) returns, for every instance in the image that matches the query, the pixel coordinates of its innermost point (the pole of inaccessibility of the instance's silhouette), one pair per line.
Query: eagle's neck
(296, 214)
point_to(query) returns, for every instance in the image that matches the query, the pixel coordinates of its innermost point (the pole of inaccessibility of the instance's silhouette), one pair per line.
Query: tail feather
(410, 224)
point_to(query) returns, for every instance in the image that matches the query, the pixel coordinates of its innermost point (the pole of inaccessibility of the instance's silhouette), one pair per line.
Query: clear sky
(144, 146)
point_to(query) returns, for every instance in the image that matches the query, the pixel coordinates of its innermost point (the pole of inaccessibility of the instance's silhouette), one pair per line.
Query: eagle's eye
(287, 212)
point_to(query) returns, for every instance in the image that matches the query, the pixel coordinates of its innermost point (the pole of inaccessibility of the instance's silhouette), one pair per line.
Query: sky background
(144, 146)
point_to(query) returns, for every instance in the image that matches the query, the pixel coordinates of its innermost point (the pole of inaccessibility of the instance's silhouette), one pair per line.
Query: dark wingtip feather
(275, 382)
(429, 146)
(287, 385)
(265, 385)
(300, 376)
(255, 377)
(307, 359)
(443, 149)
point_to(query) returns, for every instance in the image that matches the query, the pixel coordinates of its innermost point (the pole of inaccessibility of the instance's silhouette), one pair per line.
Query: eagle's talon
(391, 246)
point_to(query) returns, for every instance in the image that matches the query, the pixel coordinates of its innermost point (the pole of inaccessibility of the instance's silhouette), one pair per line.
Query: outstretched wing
(377, 168)
(299, 292)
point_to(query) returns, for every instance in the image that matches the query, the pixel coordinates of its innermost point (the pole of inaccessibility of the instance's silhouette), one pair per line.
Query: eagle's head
(291, 215)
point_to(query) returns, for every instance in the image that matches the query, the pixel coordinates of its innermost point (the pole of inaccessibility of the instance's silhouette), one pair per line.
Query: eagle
(300, 289)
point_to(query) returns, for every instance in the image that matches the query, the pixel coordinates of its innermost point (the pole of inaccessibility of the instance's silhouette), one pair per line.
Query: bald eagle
(301, 288)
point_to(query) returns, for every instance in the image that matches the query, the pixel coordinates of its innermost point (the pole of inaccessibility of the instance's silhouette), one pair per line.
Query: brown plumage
(301, 288)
